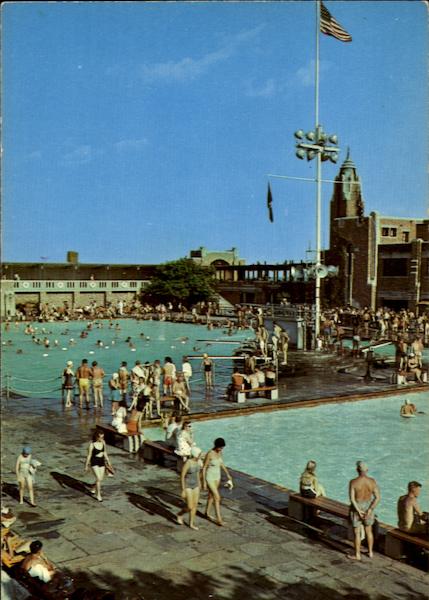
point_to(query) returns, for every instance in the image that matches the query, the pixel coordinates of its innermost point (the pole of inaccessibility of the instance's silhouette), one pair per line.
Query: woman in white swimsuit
(213, 464)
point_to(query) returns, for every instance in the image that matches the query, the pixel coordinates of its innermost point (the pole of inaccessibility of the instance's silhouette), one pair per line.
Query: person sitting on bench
(180, 392)
(413, 368)
(270, 376)
(410, 517)
(309, 486)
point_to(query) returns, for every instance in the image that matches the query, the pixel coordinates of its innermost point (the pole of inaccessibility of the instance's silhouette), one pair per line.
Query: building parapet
(32, 285)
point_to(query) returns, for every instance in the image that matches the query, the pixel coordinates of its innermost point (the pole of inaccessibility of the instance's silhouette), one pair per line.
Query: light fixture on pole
(323, 146)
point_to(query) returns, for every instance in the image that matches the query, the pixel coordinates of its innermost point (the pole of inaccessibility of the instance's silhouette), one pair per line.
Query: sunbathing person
(37, 565)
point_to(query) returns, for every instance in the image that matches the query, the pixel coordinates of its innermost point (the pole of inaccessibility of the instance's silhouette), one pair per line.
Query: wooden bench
(113, 437)
(272, 393)
(297, 507)
(399, 542)
(157, 451)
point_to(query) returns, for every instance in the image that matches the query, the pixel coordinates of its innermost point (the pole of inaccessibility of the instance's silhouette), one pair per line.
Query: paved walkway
(131, 544)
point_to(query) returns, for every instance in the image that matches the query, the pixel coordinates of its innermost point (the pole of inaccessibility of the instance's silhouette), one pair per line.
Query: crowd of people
(142, 386)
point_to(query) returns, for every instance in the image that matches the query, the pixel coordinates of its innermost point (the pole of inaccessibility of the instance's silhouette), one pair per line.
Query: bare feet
(220, 523)
(370, 554)
(179, 520)
(210, 518)
(193, 527)
(353, 557)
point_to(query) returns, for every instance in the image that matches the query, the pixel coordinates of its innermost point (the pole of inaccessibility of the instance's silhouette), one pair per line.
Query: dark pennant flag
(270, 204)
(330, 26)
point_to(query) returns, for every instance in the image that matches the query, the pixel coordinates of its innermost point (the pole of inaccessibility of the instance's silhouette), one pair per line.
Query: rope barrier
(26, 392)
(33, 380)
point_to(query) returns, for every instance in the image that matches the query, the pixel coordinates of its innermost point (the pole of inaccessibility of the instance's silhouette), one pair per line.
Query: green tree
(182, 281)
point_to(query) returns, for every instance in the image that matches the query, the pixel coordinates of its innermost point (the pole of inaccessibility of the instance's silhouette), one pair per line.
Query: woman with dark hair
(98, 459)
(213, 464)
(37, 565)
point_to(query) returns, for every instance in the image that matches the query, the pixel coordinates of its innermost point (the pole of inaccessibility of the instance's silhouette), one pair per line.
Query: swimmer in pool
(408, 409)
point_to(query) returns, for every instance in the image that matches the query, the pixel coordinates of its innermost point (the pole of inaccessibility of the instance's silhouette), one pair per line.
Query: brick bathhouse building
(383, 260)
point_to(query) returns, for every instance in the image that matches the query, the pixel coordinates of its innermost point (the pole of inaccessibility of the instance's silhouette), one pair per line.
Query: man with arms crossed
(364, 497)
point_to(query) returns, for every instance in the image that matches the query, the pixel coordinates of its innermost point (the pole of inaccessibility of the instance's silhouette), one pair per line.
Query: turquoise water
(276, 446)
(37, 369)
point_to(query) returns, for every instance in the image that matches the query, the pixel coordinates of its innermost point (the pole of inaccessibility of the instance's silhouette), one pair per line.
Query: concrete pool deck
(131, 544)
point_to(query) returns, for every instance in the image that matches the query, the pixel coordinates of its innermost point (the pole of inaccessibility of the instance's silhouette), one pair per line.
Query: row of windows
(402, 267)
(393, 232)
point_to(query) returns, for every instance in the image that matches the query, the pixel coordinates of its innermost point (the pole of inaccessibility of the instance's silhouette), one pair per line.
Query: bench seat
(297, 504)
(272, 393)
(398, 540)
(157, 451)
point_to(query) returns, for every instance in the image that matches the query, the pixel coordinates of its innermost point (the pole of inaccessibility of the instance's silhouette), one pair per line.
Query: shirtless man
(364, 497)
(83, 375)
(410, 517)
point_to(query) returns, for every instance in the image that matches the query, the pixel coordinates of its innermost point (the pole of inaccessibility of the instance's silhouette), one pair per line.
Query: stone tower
(347, 197)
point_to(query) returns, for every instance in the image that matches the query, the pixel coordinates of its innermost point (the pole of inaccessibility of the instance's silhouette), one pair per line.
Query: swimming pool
(276, 446)
(37, 369)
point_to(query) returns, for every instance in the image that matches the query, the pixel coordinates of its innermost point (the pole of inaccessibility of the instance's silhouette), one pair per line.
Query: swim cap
(26, 450)
(115, 376)
(69, 363)
(195, 452)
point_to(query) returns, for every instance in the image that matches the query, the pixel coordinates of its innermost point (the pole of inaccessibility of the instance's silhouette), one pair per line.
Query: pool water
(276, 446)
(37, 369)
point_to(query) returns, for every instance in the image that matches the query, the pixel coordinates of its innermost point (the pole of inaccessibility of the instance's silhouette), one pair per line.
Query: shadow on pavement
(235, 584)
(11, 489)
(151, 507)
(71, 482)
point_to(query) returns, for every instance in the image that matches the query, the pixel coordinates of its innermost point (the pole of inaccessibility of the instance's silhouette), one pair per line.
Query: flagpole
(318, 185)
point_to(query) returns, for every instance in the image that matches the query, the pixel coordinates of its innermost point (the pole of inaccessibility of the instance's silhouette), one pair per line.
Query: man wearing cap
(364, 496)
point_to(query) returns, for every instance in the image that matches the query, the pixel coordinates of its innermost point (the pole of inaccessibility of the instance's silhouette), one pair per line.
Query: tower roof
(348, 163)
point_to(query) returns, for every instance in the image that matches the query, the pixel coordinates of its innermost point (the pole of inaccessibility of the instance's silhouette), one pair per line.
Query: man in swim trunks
(364, 496)
(83, 375)
(410, 517)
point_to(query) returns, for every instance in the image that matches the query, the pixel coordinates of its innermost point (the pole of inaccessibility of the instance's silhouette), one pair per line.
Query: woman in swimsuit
(97, 458)
(68, 383)
(25, 470)
(191, 485)
(207, 365)
(213, 464)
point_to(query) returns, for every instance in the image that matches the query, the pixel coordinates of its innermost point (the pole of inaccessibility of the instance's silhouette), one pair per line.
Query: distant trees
(182, 281)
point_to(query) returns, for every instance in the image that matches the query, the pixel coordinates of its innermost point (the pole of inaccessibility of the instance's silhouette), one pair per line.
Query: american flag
(329, 26)
(270, 204)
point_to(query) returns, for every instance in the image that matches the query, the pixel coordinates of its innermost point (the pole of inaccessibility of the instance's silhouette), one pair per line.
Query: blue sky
(135, 132)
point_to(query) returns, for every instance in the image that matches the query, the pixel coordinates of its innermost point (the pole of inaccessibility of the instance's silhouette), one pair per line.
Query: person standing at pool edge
(364, 496)
(83, 375)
